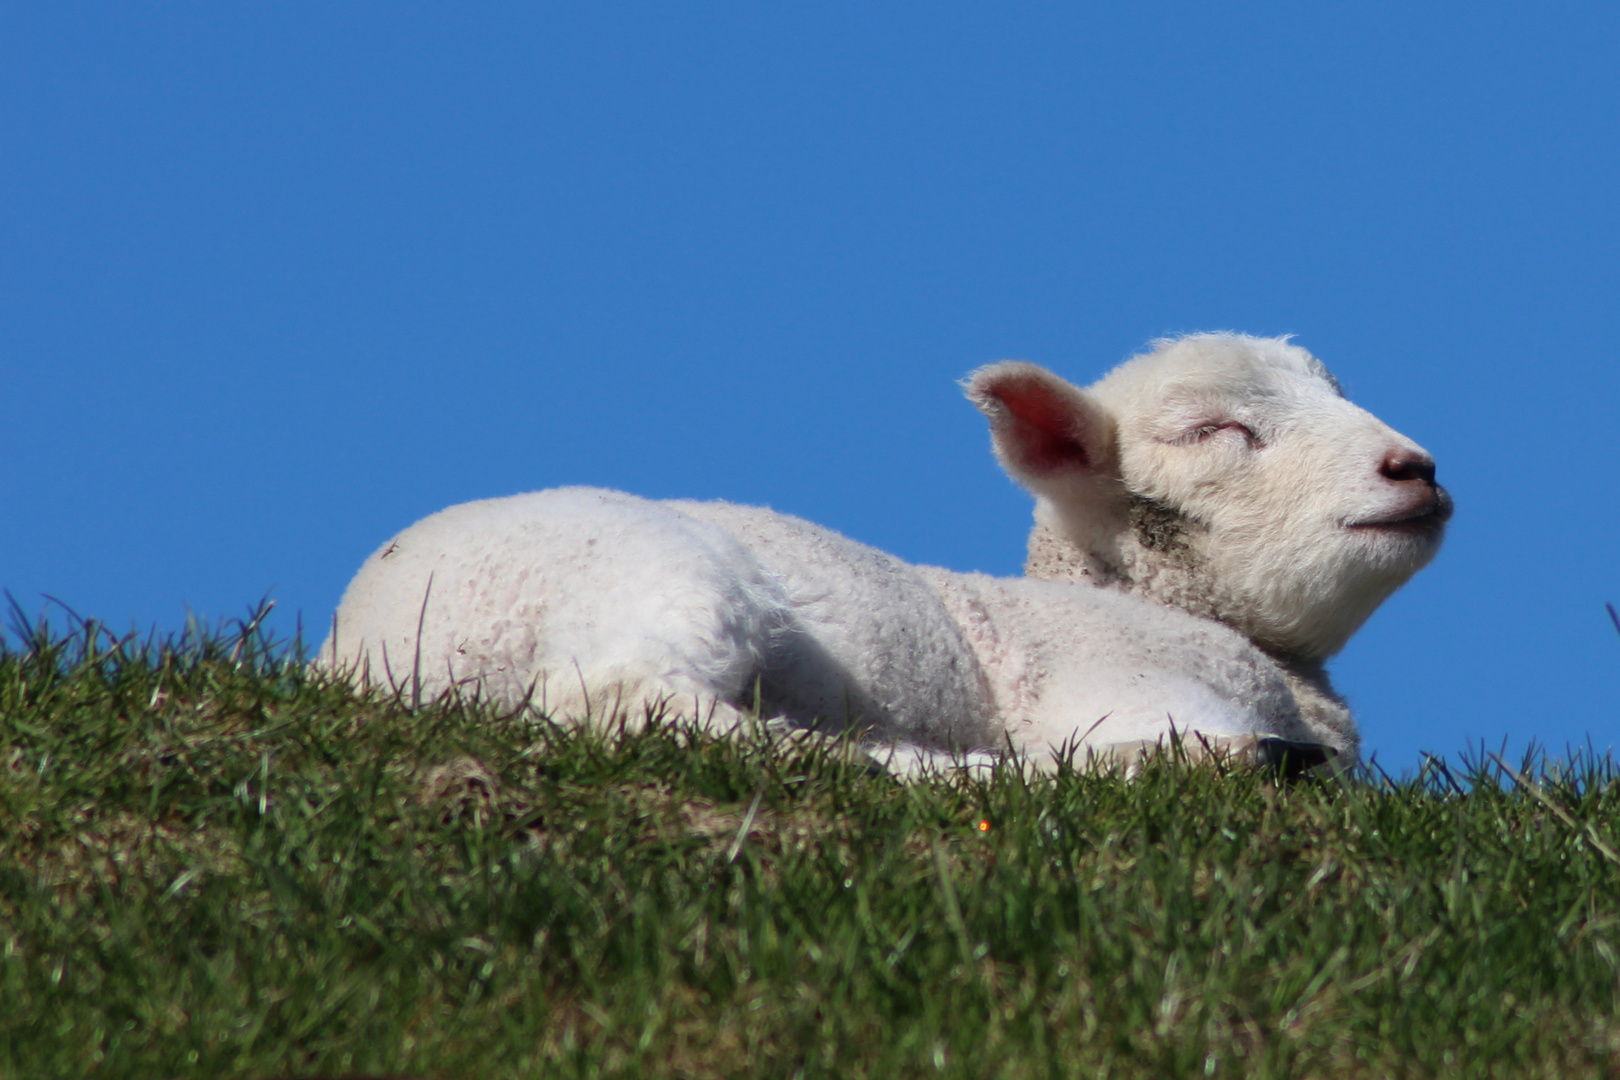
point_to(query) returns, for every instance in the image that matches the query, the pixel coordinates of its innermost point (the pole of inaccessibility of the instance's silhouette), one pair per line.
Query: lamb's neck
(1130, 568)
(1168, 574)
(1053, 558)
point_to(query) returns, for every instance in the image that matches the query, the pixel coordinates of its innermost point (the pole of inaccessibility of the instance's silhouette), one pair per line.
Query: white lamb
(1241, 518)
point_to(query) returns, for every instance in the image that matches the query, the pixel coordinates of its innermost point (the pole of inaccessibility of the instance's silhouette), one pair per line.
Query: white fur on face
(1243, 486)
(1283, 480)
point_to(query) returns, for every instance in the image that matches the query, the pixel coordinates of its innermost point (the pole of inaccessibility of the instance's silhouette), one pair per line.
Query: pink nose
(1402, 465)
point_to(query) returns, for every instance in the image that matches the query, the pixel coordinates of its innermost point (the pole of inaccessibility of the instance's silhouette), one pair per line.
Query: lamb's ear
(1044, 429)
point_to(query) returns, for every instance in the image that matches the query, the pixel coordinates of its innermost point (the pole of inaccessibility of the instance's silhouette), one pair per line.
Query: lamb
(1213, 520)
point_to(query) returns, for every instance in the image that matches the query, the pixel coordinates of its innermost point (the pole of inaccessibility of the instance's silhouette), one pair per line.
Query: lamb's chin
(1394, 552)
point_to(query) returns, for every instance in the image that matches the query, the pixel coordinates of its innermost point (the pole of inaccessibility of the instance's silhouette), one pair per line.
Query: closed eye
(1205, 431)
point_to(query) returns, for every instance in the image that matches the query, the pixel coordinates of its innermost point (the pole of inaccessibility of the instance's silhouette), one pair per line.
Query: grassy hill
(213, 865)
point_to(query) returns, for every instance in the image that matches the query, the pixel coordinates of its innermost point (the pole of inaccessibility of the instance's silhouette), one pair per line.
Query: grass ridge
(214, 862)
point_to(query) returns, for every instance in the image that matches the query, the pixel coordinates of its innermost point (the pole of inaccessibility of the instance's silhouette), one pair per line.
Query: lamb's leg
(1289, 758)
(910, 762)
(624, 700)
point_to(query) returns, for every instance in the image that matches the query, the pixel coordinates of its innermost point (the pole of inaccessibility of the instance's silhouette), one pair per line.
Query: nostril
(1404, 465)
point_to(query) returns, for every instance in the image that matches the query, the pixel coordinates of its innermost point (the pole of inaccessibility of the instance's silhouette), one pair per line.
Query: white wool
(1221, 489)
(595, 605)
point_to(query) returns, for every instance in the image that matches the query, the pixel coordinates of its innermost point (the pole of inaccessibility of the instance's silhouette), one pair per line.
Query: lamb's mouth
(1426, 518)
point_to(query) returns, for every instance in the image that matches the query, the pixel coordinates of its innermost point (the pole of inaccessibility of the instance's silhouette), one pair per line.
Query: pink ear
(1042, 426)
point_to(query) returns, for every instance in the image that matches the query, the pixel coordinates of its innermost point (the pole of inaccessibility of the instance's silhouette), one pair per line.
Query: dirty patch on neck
(1161, 527)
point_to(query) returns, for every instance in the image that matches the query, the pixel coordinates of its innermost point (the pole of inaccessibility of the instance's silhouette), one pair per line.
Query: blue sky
(278, 279)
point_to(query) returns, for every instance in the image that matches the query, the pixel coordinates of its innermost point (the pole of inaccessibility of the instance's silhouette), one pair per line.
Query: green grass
(212, 864)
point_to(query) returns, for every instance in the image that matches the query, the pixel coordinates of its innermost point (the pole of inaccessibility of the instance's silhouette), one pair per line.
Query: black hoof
(1293, 760)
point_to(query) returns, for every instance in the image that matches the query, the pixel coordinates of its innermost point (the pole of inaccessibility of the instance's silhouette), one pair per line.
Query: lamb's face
(1226, 475)
(1242, 460)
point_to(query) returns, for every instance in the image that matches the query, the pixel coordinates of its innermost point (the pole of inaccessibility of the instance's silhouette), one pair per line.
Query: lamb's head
(1223, 474)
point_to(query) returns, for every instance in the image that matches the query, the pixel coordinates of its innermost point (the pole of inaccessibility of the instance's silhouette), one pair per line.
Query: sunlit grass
(214, 864)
